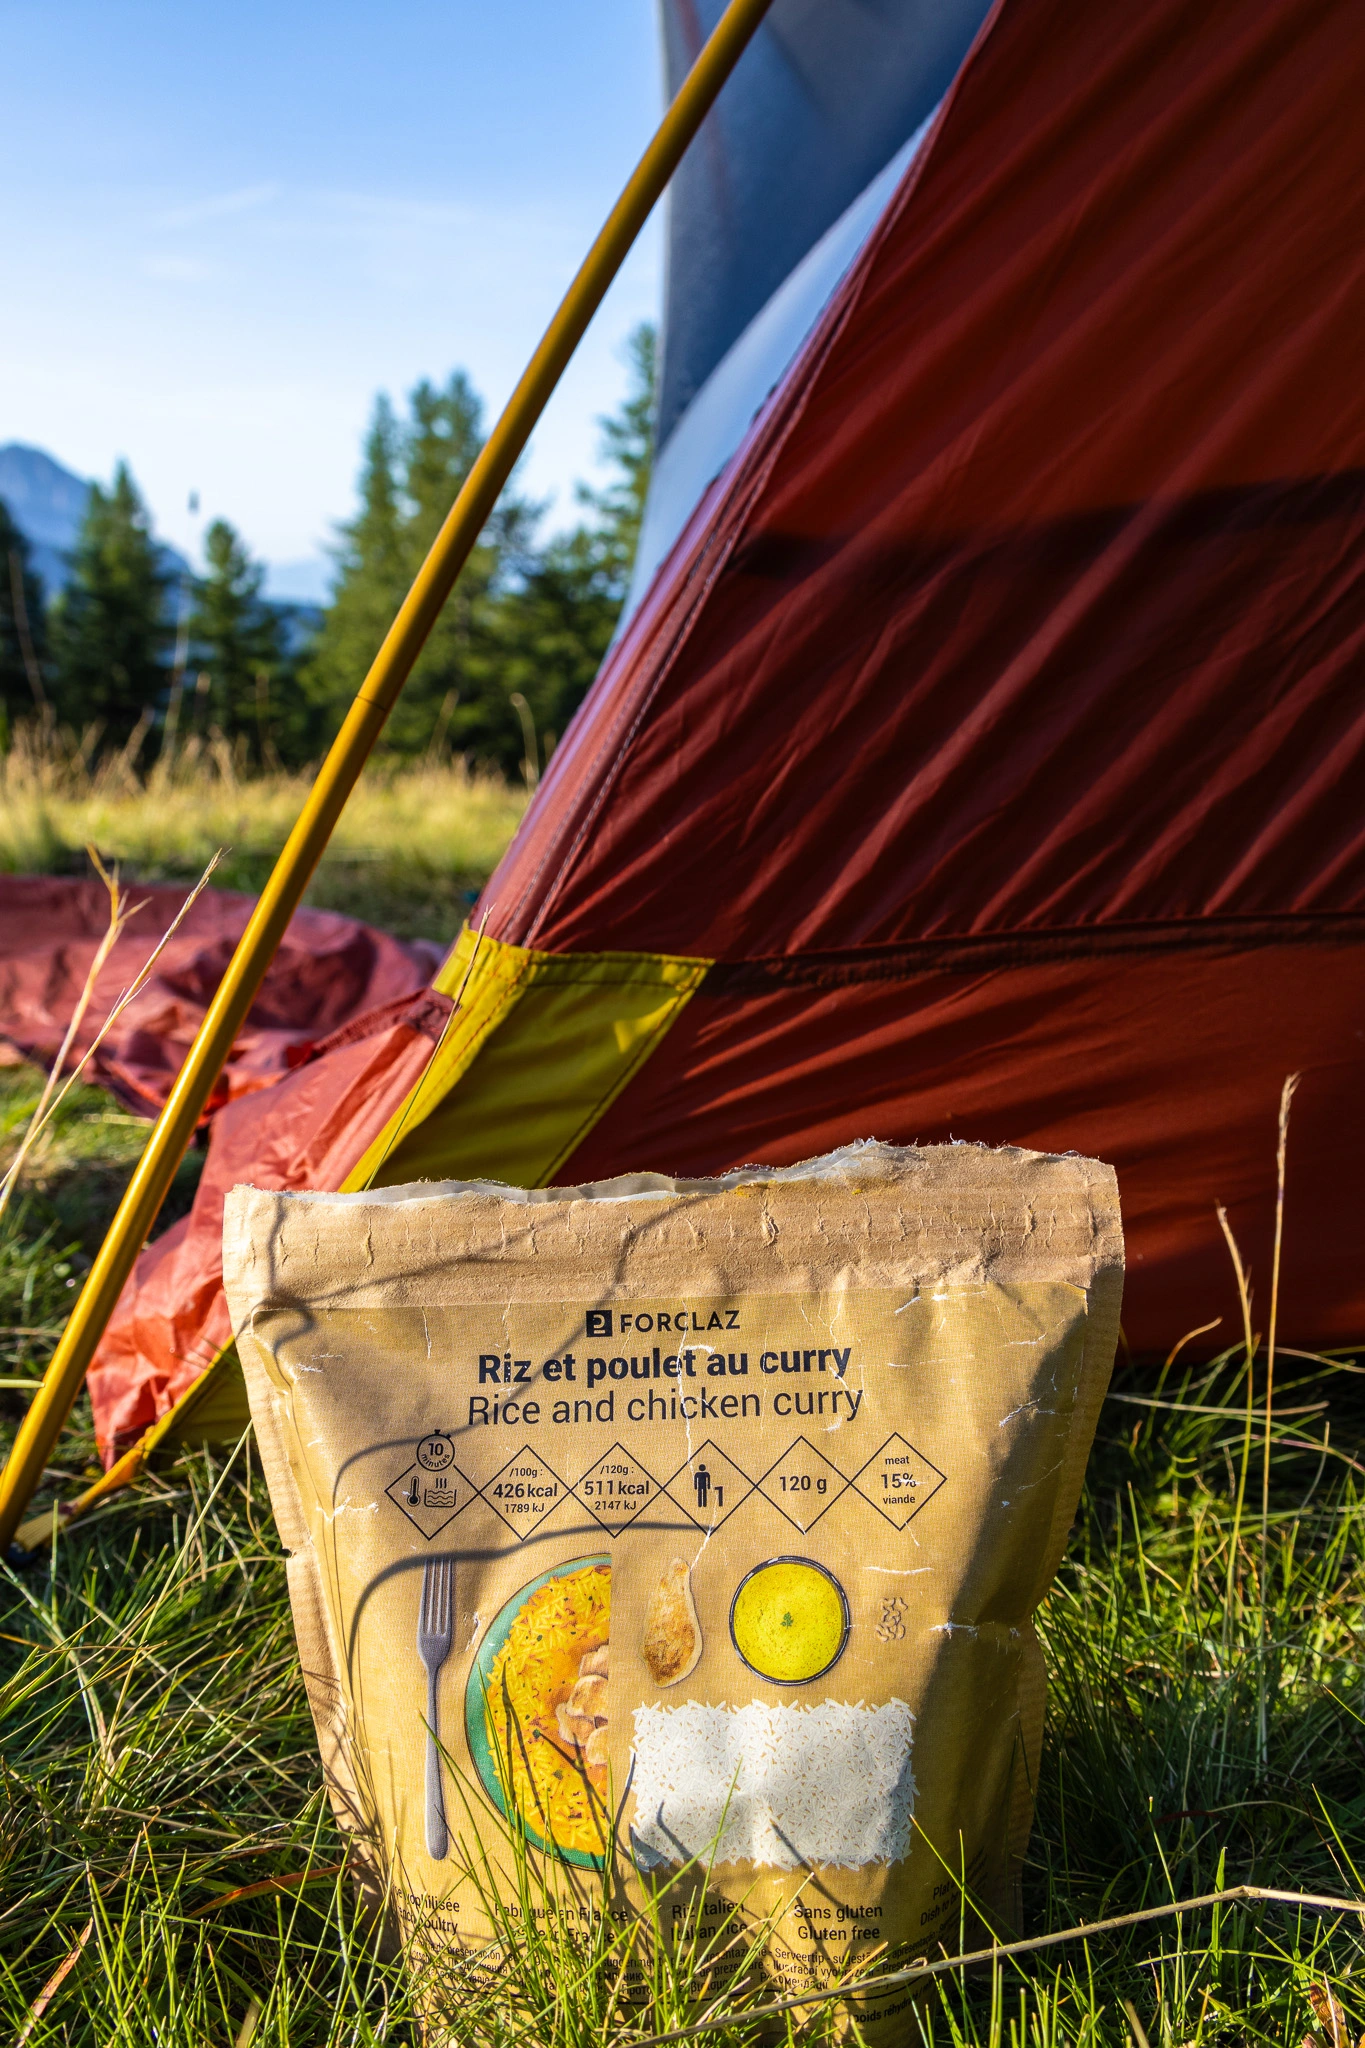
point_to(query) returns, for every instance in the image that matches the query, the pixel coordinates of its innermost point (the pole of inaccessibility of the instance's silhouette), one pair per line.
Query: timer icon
(436, 1453)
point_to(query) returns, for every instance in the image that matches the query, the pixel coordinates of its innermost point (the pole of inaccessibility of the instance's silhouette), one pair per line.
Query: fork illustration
(435, 1631)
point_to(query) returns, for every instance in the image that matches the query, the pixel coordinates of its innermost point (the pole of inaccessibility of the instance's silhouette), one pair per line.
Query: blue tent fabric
(825, 95)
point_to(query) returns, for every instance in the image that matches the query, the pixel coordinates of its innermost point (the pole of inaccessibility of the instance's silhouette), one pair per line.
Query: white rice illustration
(781, 1786)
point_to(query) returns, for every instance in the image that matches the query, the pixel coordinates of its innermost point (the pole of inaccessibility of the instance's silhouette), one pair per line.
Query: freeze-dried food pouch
(687, 1526)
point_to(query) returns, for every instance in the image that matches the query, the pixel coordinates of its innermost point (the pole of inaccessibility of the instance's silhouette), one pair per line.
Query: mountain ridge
(47, 503)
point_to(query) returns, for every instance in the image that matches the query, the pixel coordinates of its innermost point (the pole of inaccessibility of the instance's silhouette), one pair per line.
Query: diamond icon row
(524, 1492)
(802, 1484)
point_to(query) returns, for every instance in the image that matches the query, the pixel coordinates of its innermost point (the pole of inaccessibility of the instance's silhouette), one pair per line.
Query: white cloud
(177, 269)
(219, 207)
(239, 360)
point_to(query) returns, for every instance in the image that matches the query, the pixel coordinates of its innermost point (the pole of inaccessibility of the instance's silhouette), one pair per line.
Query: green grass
(413, 846)
(1205, 1728)
(78, 1169)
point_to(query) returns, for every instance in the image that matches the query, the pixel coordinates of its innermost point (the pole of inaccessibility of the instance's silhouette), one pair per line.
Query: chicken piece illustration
(672, 1644)
(582, 1717)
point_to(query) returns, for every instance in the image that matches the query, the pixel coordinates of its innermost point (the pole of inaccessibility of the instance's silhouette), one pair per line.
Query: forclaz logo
(670, 1322)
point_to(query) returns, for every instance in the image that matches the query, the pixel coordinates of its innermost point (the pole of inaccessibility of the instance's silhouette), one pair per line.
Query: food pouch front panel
(687, 1528)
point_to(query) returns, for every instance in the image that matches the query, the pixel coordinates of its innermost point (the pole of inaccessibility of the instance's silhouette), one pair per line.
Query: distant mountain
(308, 582)
(47, 503)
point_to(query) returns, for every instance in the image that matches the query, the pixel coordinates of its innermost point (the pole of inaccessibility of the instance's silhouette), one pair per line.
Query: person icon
(701, 1480)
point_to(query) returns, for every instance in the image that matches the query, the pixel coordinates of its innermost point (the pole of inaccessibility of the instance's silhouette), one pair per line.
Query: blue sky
(226, 228)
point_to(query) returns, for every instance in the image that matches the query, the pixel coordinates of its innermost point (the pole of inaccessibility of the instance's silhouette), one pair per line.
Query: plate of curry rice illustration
(536, 1710)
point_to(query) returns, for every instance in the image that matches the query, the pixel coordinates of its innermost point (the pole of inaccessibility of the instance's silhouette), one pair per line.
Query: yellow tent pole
(468, 516)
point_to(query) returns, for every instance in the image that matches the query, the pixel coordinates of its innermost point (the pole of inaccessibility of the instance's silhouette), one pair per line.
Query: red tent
(989, 736)
(343, 1026)
(981, 758)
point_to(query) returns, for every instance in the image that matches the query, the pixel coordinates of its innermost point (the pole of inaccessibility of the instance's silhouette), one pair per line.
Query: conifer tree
(462, 659)
(369, 583)
(237, 642)
(412, 474)
(23, 630)
(523, 621)
(441, 444)
(628, 444)
(557, 624)
(109, 627)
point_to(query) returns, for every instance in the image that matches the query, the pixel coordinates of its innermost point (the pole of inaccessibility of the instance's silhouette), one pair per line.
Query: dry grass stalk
(31, 667)
(55, 1089)
(436, 745)
(54, 1983)
(924, 1969)
(530, 766)
(415, 840)
(1327, 2010)
(1250, 1341)
(1139, 2031)
(249, 2024)
(120, 911)
(1291, 1082)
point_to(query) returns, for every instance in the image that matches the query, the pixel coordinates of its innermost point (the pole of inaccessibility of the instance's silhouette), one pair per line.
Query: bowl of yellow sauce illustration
(789, 1620)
